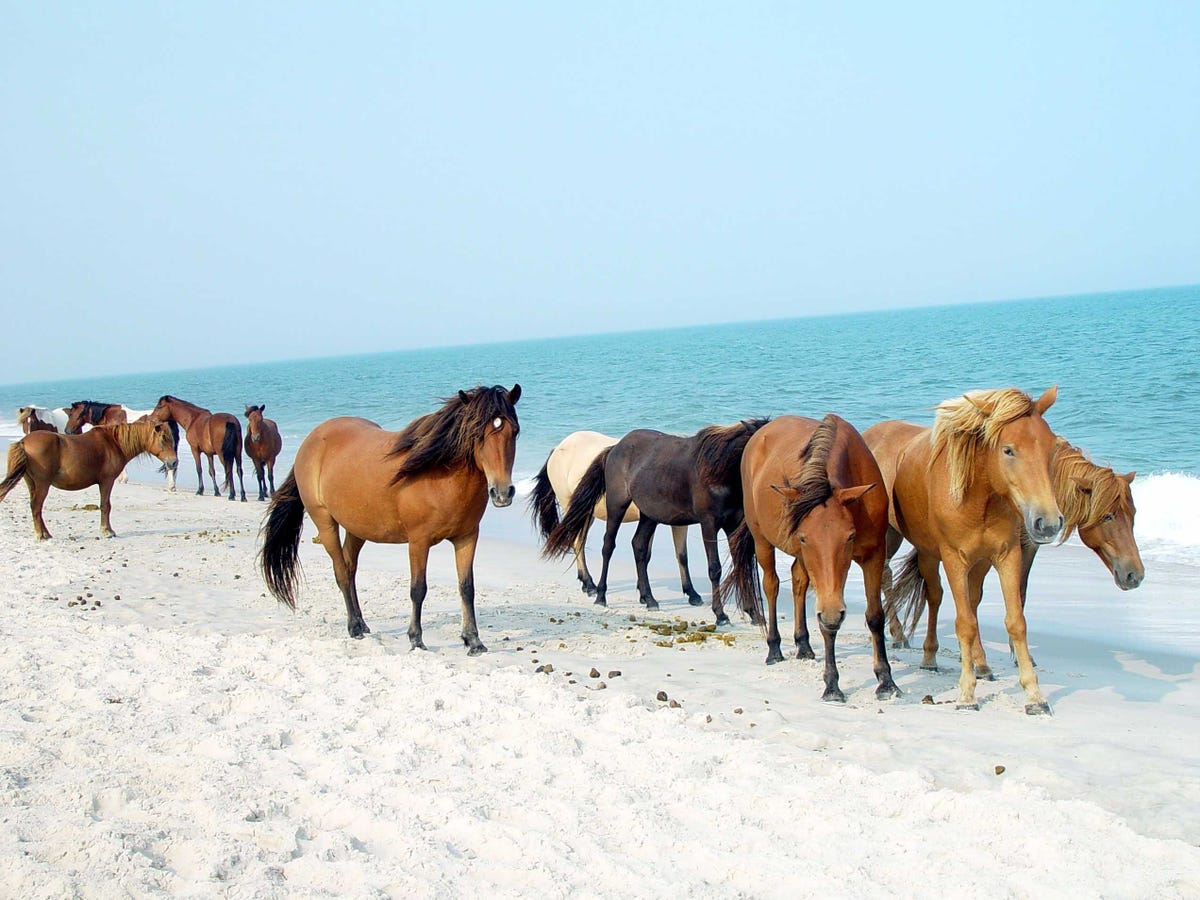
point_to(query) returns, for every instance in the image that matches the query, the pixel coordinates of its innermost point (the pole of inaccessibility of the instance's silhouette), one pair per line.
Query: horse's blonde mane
(968, 423)
(131, 438)
(1108, 491)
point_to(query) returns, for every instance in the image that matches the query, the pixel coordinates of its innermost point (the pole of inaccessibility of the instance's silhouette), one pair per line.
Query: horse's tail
(742, 580)
(279, 558)
(543, 505)
(18, 462)
(578, 517)
(231, 446)
(907, 596)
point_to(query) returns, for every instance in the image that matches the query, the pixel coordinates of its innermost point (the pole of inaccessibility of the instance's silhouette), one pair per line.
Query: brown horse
(209, 433)
(72, 462)
(89, 412)
(824, 507)
(964, 494)
(263, 444)
(426, 484)
(674, 480)
(1095, 501)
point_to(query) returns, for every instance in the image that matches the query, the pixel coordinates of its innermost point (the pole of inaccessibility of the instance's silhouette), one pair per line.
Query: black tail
(231, 446)
(17, 463)
(588, 493)
(543, 505)
(905, 600)
(742, 580)
(279, 558)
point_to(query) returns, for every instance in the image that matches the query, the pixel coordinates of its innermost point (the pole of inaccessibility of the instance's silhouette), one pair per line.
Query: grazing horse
(39, 418)
(426, 484)
(673, 480)
(263, 444)
(89, 413)
(964, 494)
(73, 462)
(553, 488)
(823, 506)
(209, 433)
(1095, 501)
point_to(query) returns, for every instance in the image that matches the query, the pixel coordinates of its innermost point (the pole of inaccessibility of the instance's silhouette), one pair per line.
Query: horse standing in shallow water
(426, 484)
(673, 480)
(555, 484)
(73, 462)
(963, 495)
(832, 512)
(209, 433)
(263, 444)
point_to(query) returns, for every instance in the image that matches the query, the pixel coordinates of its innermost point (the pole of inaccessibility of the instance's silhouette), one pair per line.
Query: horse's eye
(1008, 451)
(497, 422)
(1108, 518)
(850, 539)
(802, 540)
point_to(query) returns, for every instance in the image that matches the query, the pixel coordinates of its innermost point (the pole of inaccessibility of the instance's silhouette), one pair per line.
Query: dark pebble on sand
(928, 698)
(661, 695)
(737, 710)
(674, 704)
(615, 673)
(79, 598)
(999, 770)
(547, 668)
(595, 673)
(89, 593)
(600, 685)
(116, 596)
(708, 718)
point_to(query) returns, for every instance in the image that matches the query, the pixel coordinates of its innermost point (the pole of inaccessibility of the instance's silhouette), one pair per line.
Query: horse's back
(888, 442)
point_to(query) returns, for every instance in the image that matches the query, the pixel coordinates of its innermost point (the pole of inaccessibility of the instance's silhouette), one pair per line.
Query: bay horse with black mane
(673, 480)
(813, 490)
(263, 444)
(213, 434)
(72, 462)
(964, 494)
(426, 484)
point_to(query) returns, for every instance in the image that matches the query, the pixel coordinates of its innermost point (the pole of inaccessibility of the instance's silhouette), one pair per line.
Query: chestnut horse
(209, 433)
(72, 462)
(673, 480)
(823, 506)
(263, 444)
(1095, 501)
(557, 481)
(964, 494)
(89, 412)
(426, 484)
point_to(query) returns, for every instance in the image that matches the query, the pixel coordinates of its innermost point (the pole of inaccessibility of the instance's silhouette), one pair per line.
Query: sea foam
(1168, 516)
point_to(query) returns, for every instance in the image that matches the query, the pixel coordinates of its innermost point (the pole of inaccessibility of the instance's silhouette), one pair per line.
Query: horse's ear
(462, 395)
(515, 394)
(262, 407)
(784, 490)
(1128, 478)
(1083, 485)
(1045, 401)
(854, 494)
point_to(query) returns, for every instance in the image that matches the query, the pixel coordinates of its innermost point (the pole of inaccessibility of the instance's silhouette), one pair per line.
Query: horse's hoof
(1037, 709)
(695, 600)
(974, 707)
(477, 650)
(416, 644)
(722, 619)
(651, 603)
(774, 657)
(929, 668)
(985, 674)
(833, 695)
(887, 691)
(589, 591)
(805, 653)
(358, 629)
(599, 601)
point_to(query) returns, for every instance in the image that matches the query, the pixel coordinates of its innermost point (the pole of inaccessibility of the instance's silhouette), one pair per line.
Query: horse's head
(162, 443)
(825, 532)
(254, 417)
(1019, 454)
(496, 449)
(1108, 531)
(77, 417)
(162, 409)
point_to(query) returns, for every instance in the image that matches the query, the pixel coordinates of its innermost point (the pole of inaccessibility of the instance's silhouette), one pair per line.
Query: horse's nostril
(511, 490)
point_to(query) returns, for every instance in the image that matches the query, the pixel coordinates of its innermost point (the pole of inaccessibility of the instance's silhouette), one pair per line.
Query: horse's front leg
(106, 487)
(1009, 569)
(329, 534)
(464, 562)
(804, 648)
(679, 536)
(708, 531)
(241, 479)
(965, 626)
(979, 656)
(642, 539)
(872, 569)
(418, 560)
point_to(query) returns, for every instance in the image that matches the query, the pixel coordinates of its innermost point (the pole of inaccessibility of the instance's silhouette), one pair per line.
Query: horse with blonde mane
(72, 462)
(426, 484)
(813, 490)
(556, 482)
(965, 494)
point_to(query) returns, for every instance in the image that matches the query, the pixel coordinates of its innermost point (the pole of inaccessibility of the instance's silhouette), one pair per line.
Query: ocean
(1127, 365)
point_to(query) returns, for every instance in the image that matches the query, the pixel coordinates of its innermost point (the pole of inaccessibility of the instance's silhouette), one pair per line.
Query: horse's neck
(186, 413)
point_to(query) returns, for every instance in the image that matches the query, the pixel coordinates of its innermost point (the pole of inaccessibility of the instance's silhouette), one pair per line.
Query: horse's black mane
(451, 434)
(719, 456)
(813, 482)
(94, 409)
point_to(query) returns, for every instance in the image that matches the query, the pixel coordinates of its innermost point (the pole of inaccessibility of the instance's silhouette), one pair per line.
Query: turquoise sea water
(1127, 366)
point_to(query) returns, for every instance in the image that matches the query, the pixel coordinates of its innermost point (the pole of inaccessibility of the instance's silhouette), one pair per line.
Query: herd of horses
(981, 489)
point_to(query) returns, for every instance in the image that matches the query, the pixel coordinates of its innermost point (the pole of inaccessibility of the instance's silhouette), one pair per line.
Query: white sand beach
(167, 728)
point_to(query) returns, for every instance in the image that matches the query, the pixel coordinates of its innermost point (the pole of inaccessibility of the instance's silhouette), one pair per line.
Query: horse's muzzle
(1044, 529)
(1128, 578)
(501, 498)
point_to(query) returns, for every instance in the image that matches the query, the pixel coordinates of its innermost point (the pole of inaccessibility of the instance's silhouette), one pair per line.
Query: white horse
(556, 483)
(57, 418)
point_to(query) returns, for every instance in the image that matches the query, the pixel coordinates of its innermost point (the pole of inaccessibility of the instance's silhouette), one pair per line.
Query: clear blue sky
(198, 184)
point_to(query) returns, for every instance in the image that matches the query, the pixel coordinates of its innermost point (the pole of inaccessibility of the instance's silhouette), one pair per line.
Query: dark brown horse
(89, 412)
(813, 490)
(263, 444)
(673, 480)
(964, 494)
(426, 484)
(213, 434)
(30, 418)
(73, 462)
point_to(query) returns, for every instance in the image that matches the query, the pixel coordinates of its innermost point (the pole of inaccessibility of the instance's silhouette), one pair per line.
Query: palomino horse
(963, 493)
(824, 507)
(89, 413)
(39, 418)
(263, 444)
(72, 462)
(209, 433)
(673, 480)
(426, 484)
(553, 488)
(1095, 501)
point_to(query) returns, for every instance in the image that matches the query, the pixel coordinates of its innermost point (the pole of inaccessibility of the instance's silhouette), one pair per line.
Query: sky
(189, 185)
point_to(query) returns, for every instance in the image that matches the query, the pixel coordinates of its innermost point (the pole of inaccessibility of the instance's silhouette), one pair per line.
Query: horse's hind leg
(106, 508)
(895, 626)
(241, 479)
(581, 569)
(764, 554)
(708, 531)
(978, 656)
(642, 539)
(418, 561)
(329, 534)
(928, 567)
(464, 561)
(679, 536)
(212, 473)
(37, 498)
(615, 515)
